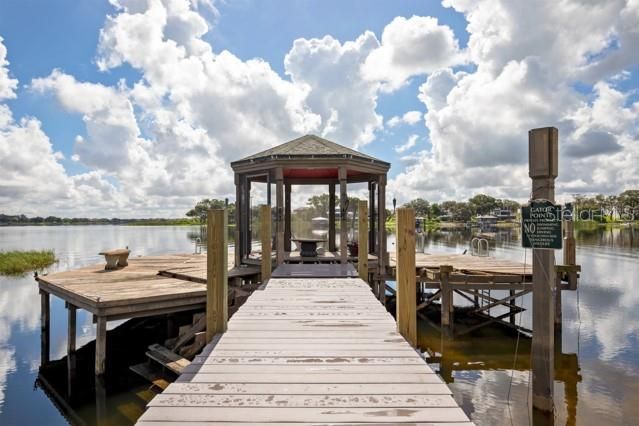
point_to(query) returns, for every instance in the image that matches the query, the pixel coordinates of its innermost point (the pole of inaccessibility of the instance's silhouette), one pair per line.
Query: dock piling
(45, 311)
(216, 273)
(100, 345)
(406, 284)
(543, 169)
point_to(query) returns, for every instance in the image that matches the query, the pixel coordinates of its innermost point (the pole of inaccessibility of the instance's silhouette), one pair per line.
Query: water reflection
(597, 367)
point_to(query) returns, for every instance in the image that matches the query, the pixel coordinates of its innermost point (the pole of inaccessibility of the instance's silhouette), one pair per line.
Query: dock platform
(308, 351)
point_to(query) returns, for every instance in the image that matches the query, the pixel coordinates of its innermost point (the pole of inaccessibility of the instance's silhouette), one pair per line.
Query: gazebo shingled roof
(308, 146)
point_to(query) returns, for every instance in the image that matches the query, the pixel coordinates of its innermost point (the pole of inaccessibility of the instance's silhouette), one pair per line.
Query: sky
(134, 108)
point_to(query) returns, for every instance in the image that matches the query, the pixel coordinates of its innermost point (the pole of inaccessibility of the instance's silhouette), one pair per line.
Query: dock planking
(276, 364)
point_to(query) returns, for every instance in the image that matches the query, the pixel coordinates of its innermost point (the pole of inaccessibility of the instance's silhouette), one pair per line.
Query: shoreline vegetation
(17, 263)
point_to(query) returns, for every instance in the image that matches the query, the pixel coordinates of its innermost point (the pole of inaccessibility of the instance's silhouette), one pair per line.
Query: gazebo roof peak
(308, 147)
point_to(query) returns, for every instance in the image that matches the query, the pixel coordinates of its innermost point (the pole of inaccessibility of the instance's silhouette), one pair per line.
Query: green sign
(541, 225)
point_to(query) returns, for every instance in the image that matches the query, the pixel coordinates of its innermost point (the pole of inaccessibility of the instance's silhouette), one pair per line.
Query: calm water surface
(597, 365)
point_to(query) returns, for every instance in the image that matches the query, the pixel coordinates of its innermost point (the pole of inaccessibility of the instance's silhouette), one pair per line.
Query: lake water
(597, 365)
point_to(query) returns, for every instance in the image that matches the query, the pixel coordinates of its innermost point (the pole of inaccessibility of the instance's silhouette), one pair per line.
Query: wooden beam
(279, 215)
(543, 161)
(287, 216)
(216, 274)
(238, 220)
(371, 201)
(100, 345)
(265, 232)
(331, 218)
(71, 328)
(45, 330)
(406, 285)
(570, 251)
(447, 295)
(382, 260)
(343, 202)
(362, 241)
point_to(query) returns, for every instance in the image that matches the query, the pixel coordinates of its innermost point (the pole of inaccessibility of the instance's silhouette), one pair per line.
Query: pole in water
(543, 169)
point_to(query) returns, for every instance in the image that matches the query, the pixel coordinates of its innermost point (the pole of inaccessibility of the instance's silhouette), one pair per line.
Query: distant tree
(421, 207)
(201, 208)
(435, 210)
(482, 204)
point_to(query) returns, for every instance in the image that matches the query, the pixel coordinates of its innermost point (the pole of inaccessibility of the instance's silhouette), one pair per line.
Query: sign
(541, 225)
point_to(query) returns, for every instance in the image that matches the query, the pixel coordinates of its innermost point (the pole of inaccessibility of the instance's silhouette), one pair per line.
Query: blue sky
(172, 91)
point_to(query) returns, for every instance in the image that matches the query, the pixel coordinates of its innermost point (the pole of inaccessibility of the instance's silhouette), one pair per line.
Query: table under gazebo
(310, 160)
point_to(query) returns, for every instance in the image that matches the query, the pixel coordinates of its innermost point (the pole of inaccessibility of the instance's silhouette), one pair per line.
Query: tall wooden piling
(362, 240)
(543, 169)
(45, 334)
(265, 232)
(406, 281)
(343, 207)
(100, 345)
(447, 296)
(216, 273)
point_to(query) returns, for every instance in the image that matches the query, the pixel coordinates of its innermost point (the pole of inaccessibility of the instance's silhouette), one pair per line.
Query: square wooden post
(371, 201)
(331, 218)
(381, 236)
(287, 217)
(266, 237)
(279, 215)
(45, 330)
(238, 221)
(447, 296)
(543, 169)
(216, 273)
(362, 240)
(100, 345)
(343, 203)
(406, 277)
(71, 336)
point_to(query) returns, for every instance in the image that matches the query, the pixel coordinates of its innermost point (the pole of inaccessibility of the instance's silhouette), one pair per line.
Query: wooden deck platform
(465, 263)
(308, 351)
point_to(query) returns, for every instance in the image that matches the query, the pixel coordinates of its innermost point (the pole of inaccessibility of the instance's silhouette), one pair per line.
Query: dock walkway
(308, 351)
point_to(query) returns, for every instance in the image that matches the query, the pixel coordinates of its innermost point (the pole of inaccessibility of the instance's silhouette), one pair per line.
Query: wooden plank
(308, 401)
(411, 423)
(144, 370)
(167, 359)
(309, 360)
(266, 415)
(187, 388)
(300, 368)
(309, 378)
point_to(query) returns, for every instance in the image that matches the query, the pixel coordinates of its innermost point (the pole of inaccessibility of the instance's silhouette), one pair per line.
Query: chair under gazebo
(311, 160)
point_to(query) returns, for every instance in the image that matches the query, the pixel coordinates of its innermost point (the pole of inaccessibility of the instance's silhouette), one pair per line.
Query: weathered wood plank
(201, 377)
(240, 414)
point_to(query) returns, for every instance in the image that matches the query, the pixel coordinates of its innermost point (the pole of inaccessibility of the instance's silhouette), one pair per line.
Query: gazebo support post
(372, 238)
(381, 236)
(331, 218)
(279, 215)
(238, 221)
(287, 217)
(343, 200)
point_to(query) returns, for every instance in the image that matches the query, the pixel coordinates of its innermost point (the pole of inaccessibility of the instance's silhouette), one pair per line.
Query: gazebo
(310, 160)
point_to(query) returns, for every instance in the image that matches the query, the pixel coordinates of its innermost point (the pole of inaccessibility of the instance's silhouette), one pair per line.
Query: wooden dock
(308, 351)
(149, 285)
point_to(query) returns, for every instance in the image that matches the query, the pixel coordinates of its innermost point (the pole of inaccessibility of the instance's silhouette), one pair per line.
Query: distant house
(504, 214)
(487, 220)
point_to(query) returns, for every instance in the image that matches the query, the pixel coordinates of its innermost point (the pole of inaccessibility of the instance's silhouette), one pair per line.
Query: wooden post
(447, 295)
(238, 220)
(512, 309)
(371, 200)
(279, 215)
(45, 335)
(216, 274)
(343, 202)
(570, 252)
(265, 228)
(406, 283)
(543, 169)
(287, 217)
(381, 236)
(100, 345)
(331, 218)
(71, 329)
(362, 240)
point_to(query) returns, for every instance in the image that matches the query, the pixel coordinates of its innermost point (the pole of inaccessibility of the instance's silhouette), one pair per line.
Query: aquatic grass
(21, 262)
